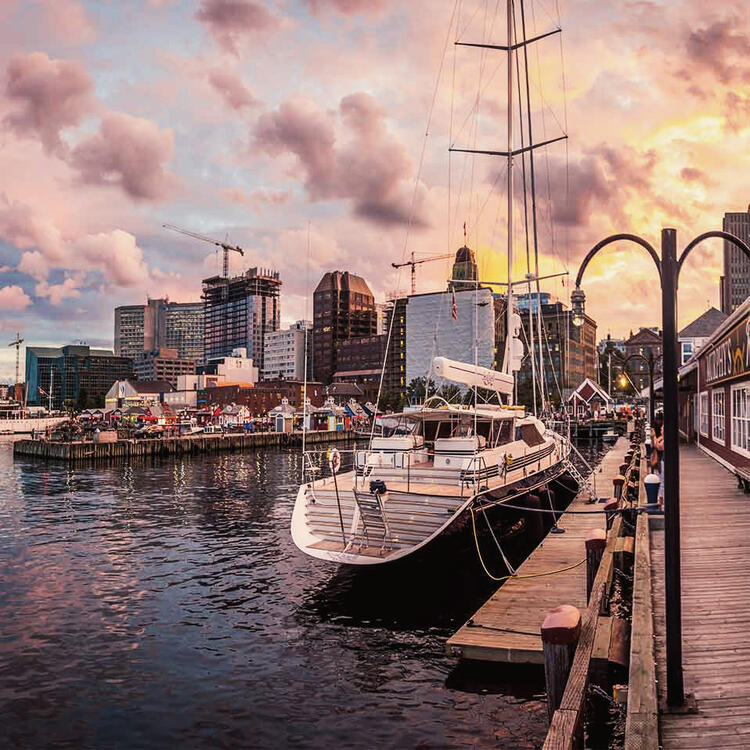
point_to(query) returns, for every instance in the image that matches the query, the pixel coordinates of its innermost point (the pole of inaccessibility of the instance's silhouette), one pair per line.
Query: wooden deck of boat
(506, 627)
(715, 540)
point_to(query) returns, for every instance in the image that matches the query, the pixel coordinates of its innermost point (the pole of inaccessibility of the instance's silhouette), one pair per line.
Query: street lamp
(669, 268)
(650, 362)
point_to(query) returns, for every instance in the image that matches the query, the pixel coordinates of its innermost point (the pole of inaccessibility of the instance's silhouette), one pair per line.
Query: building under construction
(238, 312)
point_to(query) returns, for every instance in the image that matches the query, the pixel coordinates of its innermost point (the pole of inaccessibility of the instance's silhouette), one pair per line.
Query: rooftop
(704, 325)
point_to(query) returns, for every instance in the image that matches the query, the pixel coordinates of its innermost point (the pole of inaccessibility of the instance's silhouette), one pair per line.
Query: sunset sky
(267, 120)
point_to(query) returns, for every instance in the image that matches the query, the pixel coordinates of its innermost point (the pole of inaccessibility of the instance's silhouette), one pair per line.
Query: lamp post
(669, 267)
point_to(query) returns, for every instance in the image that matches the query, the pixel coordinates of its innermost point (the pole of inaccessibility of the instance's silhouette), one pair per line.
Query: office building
(284, 355)
(464, 269)
(646, 342)
(240, 312)
(160, 324)
(164, 364)
(343, 308)
(73, 374)
(735, 283)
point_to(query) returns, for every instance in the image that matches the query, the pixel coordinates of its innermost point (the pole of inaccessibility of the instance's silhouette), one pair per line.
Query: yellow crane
(415, 262)
(225, 246)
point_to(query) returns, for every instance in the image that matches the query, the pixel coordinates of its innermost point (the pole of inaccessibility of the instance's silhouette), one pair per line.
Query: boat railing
(592, 473)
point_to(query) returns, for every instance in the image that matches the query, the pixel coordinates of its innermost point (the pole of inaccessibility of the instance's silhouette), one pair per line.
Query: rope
(515, 575)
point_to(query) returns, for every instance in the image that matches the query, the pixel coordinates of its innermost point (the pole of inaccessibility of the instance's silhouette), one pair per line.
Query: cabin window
(530, 434)
(741, 419)
(718, 416)
(503, 431)
(704, 413)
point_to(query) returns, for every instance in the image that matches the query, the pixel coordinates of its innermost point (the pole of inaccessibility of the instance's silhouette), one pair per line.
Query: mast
(509, 297)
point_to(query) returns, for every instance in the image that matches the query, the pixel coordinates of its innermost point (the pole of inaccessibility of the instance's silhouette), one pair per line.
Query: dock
(715, 541)
(122, 450)
(506, 627)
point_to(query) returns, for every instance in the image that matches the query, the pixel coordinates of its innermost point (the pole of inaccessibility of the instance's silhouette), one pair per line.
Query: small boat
(610, 437)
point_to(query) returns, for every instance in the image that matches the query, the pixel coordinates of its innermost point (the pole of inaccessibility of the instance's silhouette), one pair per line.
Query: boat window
(434, 430)
(531, 435)
(503, 431)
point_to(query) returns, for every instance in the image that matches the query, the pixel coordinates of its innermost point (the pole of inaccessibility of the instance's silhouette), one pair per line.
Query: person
(657, 451)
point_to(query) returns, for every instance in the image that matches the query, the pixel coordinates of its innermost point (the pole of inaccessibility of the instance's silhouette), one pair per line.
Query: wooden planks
(506, 627)
(715, 536)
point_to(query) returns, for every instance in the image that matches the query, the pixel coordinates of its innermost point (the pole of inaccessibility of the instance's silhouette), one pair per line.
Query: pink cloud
(47, 96)
(348, 7)
(367, 165)
(116, 254)
(257, 198)
(231, 21)
(26, 229)
(129, 152)
(34, 264)
(57, 293)
(68, 20)
(232, 90)
(13, 298)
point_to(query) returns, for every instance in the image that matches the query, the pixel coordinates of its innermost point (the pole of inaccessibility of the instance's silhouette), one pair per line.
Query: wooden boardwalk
(506, 628)
(715, 529)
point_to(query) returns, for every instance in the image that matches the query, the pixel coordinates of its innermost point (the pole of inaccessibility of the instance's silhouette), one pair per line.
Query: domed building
(464, 268)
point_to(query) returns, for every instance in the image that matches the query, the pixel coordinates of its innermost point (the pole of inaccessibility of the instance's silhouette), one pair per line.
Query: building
(75, 374)
(464, 270)
(646, 342)
(162, 364)
(284, 355)
(160, 324)
(360, 362)
(569, 352)
(394, 382)
(142, 393)
(265, 395)
(343, 308)
(240, 312)
(235, 368)
(693, 336)
(735, 283)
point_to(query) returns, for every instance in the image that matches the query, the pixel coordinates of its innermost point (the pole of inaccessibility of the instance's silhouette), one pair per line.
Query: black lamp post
(669, 268)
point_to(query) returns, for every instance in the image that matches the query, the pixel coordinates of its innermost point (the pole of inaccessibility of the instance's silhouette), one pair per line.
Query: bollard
(533, 518)
(651, 482)
(617, 483)
(560, 631)
(610, 507)
(624, 467)
(596, 540)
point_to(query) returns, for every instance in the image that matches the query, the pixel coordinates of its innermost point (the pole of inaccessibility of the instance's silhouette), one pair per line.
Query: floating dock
(506, 628)
(126, 449)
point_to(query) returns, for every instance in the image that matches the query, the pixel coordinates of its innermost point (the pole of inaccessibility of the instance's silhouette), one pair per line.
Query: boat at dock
(419, 480)
(17, 420)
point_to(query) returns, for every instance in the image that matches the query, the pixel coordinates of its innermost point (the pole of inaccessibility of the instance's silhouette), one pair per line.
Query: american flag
(42, 391)
(454, 306)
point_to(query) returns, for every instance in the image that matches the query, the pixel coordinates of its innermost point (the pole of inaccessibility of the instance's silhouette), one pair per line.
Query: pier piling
(560, 631)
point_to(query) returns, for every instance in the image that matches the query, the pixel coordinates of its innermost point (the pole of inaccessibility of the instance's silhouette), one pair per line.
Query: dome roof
(464, 255)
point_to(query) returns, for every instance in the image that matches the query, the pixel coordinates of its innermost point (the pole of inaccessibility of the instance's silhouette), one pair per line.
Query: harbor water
(163, 604)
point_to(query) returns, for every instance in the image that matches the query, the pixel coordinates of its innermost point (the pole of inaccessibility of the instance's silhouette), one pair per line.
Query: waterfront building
(236, 368)
(343, 308)
(695, 334)
(284, 354)
(240, 312)
(160, 324)
(734, 287)
(646, 341)
(141, 393)
(162, 364)
(263, 397)
(75, 374)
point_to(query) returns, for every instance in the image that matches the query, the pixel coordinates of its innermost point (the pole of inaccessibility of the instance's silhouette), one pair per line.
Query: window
(704, 414)
(741, 419)
(687, 351)
(717, 416)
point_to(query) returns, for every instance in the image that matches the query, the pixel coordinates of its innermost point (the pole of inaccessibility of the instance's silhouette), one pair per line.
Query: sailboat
(417, 481)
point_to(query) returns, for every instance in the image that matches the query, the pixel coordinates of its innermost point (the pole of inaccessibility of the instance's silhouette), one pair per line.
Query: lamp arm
(618, 238)
(708, 235)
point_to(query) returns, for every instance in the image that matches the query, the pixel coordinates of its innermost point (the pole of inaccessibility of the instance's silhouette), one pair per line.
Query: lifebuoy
(334, 460)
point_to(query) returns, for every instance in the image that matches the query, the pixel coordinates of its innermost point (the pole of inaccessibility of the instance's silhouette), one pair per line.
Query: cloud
(257, 199)
(34, 264)
(347, 7)
(68, 20)
(13, 298)
(116, 254)
(57, 293)
(46, 96)
(129, 152)
(232, 90)
(23, 227)
(722, 49)
(354, 158)
(231, 21)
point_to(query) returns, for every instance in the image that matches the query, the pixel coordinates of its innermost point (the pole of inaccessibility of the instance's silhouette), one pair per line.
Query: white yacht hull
(27, 426)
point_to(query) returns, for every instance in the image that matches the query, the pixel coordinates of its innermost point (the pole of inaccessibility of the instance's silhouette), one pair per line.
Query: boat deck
(506, 627)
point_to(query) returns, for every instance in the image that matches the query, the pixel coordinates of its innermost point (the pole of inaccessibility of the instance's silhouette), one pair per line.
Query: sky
(315, 134)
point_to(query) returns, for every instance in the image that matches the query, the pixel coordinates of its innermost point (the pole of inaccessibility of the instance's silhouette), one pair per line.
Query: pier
(76, 450)
(507, 627)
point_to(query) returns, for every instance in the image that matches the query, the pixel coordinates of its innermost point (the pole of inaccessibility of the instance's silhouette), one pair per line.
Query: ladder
(582, 482)
(371, 512)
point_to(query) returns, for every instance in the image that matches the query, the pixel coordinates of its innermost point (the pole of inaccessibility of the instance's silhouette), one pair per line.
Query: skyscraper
(343, 308)
(465, 268)
(735, 283)
(239, 312)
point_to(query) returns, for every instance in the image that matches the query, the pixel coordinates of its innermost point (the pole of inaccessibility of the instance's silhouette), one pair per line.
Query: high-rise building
(240, 312)
(75, 374)
(157, 325)
(343, 308)
(735, 283)
(284, 355)
(162, 364)
(464, 269)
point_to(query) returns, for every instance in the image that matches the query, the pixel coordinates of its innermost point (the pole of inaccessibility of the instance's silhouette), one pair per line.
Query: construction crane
(17, 343)
(226, 247)
(414, 263)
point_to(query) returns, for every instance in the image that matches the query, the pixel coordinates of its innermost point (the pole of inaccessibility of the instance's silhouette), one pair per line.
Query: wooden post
(624, 467)
(610, 507)
(560, 631)
(617, 483)
(596, 540)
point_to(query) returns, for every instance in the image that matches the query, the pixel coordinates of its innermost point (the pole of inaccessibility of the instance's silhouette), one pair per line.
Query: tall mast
(509, 298)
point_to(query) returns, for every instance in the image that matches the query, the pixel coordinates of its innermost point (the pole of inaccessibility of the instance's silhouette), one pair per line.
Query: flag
(43, 392)
(454, 306)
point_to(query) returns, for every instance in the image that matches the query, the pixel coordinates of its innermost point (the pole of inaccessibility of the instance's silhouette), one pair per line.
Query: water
(164, 604)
